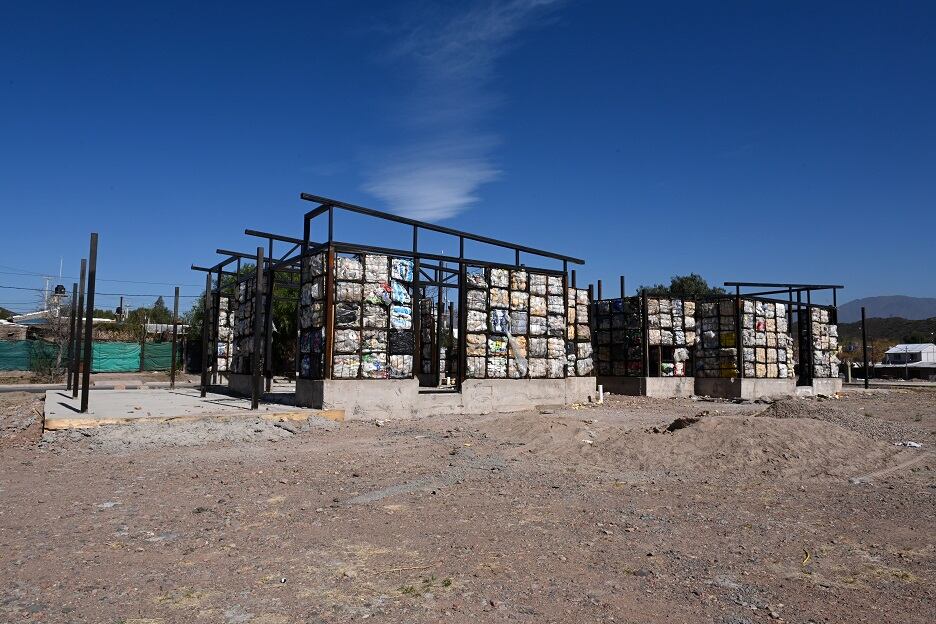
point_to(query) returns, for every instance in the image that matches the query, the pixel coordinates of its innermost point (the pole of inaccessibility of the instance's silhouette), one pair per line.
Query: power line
(106, 294)
(24, 272)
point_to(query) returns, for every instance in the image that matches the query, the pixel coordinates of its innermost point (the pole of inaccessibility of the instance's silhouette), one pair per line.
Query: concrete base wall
(735, 388)
(827, 386)
(401, 398)
(658, 387)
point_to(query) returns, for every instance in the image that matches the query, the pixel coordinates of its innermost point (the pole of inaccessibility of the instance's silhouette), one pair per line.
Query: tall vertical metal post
(645, 333)
(268, 325)
(71, 335)
(79, 327)
(623, 290)
(739, 315)
(574, 279)
(89, 326)
(256, 356)
(416, 308)
(206, 319)
(462, 313)
(175, 336)
(599, 290)
(864, 347)
(215, 326)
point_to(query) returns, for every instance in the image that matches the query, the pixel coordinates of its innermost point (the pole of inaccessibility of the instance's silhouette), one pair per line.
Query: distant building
(909, 361)
(12, 331)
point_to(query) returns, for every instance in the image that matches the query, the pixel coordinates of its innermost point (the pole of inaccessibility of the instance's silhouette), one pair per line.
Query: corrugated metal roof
(912, 348)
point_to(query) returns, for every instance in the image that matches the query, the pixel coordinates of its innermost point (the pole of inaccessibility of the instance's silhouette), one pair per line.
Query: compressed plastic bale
(346, 366)
(654, 337)
(666, 337)
(680, 354)
(771, 356)
(667, 369)
(347, 314)
(782, 325)
(477, 300)
(401, 342)
(570, 332)
(581, 297)
(584, 367)
(476, 279)
(781, 355)
(679, 337)
(750, 369)
(538, 326)
(500, 278)
(554, 285)
(376, 268)
(603, 322)
(537, 305)
(537, 284)
(399, 292)
(375, 315)
(555, 369)
(519, 300)
(555, 325)
(499, 298)
(401, 269)
(582, 332)
(537, 368)
(537, 347)
(783, 371)
(771, 340)
(582, 312)
(347, 340)
(476, 367)
(497, 346)
(377, 292)
(349, 291)
(348, 268)
(519, 322)
(653, 307)
(514, 370)
(497, 367)
(476, 321)
(747, 354)
(475, 344)
(554, 305)
(518, 280)
(401, 317)
(517, 346)
(374, 366)
(500, 321)
(555, 348)
(305, 317)
(374, 340)
(400, 366)
(583, 350)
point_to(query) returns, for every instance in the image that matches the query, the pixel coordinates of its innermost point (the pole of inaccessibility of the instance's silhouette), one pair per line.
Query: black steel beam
(276, 237)
(784, 286)
(328, 203)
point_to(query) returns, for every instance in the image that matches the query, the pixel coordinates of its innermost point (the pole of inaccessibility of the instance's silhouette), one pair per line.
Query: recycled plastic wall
(824, 344)
(248, 305)
(618, 337)
(373, 336)
(766, 343)
(225, 332)
(579, 350)
(672, 323)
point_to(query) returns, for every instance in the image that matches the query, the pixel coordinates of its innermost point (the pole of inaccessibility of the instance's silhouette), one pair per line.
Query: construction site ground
(638, 510)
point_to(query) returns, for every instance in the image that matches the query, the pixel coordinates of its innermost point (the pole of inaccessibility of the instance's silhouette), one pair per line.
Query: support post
(71, 336)
(256, 354)
(462, 313)
(268, 325)
(739, 315)
(599, 290)
(573, 278)
(623, 290)
(204, 334)
(79, 328)
(89, 326)
(215, 322)
(646, 334)
(864, 347)
(175, 336)
(416, 309)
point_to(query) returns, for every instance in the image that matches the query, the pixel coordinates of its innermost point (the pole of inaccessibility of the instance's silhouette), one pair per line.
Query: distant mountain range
(911, 308)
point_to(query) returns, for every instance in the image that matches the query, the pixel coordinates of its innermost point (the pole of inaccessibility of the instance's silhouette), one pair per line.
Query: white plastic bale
(374, 366)
(374, 340)
(554, 304)
(401, 317)
(537, 284)
(518, 280)
(348, 291)
(513, 369)
(519, 322)
(538, 326)
(376, 268)
(497, 367)
(347, 340)
(537, 305)
(556, 325)
(401, 366)
(401, 269)
(476, 367)
(497, 346)
(500, 278)
(346, 366)
(348, 268)
(555, 348)
(537, 368)
(476, 321)
(375, 315)
(499, 298)
(583, 350)
(538, 347)
(554, 285)
(555, 369)
(476, 279)
(518, 347)
(584, 367)
(582, 332)
(519, 300)
(581, 297)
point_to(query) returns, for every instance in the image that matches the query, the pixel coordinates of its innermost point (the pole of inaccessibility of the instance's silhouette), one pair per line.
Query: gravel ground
(797, 511)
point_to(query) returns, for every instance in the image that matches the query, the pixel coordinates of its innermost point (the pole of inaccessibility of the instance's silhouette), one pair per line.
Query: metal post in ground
(79, 327)
(256, 356)
(864, 346)
(205, 321)
(71, 336)
(175, 335)
(89, 326)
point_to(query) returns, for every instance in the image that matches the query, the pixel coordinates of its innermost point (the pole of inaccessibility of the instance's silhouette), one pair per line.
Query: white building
(904, 354)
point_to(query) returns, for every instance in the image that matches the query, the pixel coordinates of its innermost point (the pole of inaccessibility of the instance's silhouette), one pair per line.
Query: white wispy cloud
(436, 175)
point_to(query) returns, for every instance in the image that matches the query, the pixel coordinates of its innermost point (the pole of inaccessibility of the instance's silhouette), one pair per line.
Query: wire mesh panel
(312, 317)
(618, 337)
(579, 351)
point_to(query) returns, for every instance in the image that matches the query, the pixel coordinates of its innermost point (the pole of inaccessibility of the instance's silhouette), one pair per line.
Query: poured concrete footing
(403, 398)
(827, 386)
(750, 389)
(657, 387)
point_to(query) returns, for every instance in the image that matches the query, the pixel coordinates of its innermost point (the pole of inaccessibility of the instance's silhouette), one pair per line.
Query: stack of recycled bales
(717, 350)
(225, 332)
(824, 344)
(618, 337)
(516, 324)
(243, 330)
(580, 362)
(427, 327)
(671, 323)
(766, 341)
(373, 313)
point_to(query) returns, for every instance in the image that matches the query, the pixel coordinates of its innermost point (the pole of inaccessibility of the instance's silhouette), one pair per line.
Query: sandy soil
(798, 511)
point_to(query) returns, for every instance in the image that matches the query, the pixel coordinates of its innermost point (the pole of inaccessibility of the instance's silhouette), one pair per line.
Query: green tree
(692, 286)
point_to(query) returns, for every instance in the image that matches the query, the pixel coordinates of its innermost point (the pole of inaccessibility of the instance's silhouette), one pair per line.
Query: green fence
(106, 357)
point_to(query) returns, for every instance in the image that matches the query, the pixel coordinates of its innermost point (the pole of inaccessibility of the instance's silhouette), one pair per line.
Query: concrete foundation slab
(657, 387)
(403, 398)
(750, 389)
(114, 407)
(827, 386)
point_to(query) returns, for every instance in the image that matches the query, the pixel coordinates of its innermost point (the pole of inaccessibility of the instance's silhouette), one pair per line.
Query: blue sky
(775, 141)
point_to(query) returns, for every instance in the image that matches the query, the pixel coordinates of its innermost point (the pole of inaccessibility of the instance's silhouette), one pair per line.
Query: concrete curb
(97, 386)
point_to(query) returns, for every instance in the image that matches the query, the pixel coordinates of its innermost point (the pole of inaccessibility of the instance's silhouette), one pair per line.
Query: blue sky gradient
(776, 141)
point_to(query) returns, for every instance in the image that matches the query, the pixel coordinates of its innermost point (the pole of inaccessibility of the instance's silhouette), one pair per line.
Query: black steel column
(89, 326)
(416, 308)
(864, 347)
(623, 291)
(645, 332)
(268, 330)
(462, 313)
(71, 336)
(175, 336)
(215, 322)
(739, 315)
(206, 313)
(256, 355)
(79, 327)
(600, 296)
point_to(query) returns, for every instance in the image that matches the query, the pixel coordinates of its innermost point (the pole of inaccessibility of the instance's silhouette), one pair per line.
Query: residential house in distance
(909, 361)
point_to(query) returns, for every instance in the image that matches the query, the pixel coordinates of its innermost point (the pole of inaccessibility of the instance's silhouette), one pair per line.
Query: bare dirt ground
(798, 511)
